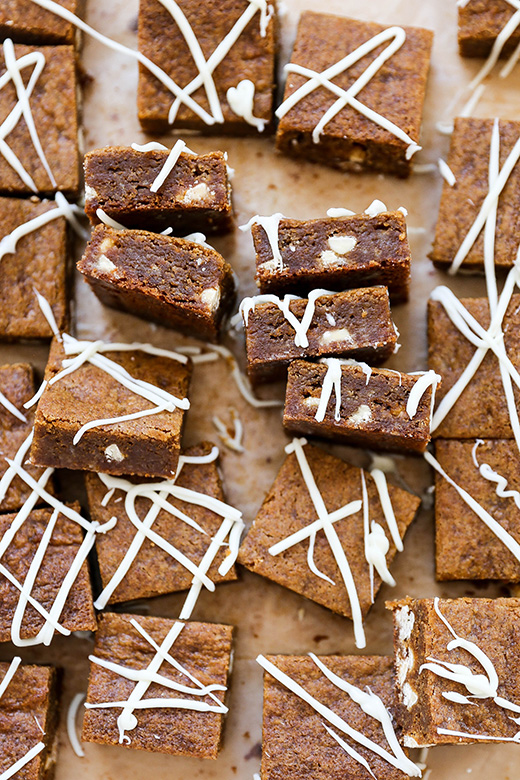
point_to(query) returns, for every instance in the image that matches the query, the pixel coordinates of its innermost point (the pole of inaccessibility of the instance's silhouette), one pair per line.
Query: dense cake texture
(204, 652)
(372, 411)
(58, 557)
(297, 742)
(54, 109)
(242, 83)
(182, 284)
(26, 22)
(147, 445)
(480, 23)
(17, 385)
(461, 204)
(433, 695)
(481, 410)
(466, 547)
(39, 261)
(316, 125)
(28, 720)
(356, 251)
(355, 323)
(153, 570)
(196, 194)
(289, 507)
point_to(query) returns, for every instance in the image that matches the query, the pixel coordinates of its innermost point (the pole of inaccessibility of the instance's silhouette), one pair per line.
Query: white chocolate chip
(90, 193)
(112, 452)
(200, 193)
(341, 245)
(337, 335)
(311, 401)
(105, 264)
(106, 244)
(211, 297)
(328, 257)
(362, 415)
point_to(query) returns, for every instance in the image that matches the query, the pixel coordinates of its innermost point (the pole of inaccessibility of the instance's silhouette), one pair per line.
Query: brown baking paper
(270, 619)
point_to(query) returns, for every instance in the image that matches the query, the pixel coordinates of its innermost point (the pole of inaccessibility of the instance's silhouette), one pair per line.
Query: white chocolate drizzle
(300, 327)
(340, 212)
(270, 225)
(6, 403)
(158, 493)
(483, 685)
(241, 102)
(369, 703)
(127, 720)
(396, 37)
(38, 492)
(169, 164)
(500, 532)
(32, 752)
(242, 382)
(232, 442)
(488, 473)
(72, 712)
(109, 221)
(446, 172)
(14, 67)
(504, 35)
(375, 538)
(63, 209)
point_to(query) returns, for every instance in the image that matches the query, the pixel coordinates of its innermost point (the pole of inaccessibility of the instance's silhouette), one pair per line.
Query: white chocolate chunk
(362, 415)
(200, 193)
(341, 245)
(328, 257)
(311, 401)
(112, 452)
(90, 193)
(211, 298)
(335, 336)
(105, 264)
(106, 244)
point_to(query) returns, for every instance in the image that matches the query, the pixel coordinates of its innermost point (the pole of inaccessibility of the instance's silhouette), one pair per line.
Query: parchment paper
(269, 618)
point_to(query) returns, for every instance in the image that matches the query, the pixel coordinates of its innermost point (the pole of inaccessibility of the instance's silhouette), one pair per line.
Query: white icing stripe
(22, 108)
(48, 313)
(232, 442)
(127, 721)
(381, 484)
(241, 381)
(331, 380)
(157, 493)
(370, 704)
(327, 526)
(109, 221)
(335, 213)
(500, 532)
(115, 420)
(427, 380)
(72, 712)
(446, 172)
(241, 100)
(207, 67)
(169, 164)
(349, 750)
(152, 146)
(271, 226)
(397, 36)
(486, 472)
(6, 403)
(504, 35)
(300, 327)
(366, 534)
(486, 737)
(34, 751)
(11, 671)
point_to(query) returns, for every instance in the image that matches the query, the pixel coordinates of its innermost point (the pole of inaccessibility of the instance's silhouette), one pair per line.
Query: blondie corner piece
(39, 261)
(469, 692)
(59, 556)
(354, 323)
(153, 571)
(239, 96)
(54, 109)
(462, 204)
(290, 520)
(26, 22)
(29, 717)
(336, 254)
(194, 196)
(312, 706)
(479, 25)
(320, 122)
(477, 518)
(178, 283)
(202, 652)
(17, 386)
(148, 444)
(347, 401)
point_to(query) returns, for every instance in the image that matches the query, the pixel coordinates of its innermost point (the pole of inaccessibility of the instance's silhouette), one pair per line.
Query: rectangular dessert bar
(461, 204)
(347, 401)
(54, 109)
(26, 22)
(457, 669)
(298, 742)
(17, 387)
(319, 122)
(202, 652)
(290, 508)
(145, 445)
(481, 409)
(239, 97)
(479, 25)
(29, 716)
(476, 499)
(178, 283)
(39, 261)
(153, 571)
(196, 194)
(355, 323)
(58, 559)
(334, 253)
